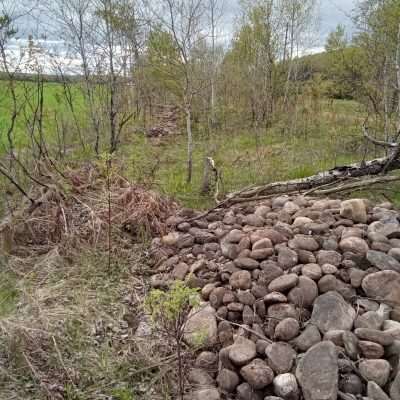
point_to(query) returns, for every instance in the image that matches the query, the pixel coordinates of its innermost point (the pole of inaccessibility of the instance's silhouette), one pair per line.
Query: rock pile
(301, 299)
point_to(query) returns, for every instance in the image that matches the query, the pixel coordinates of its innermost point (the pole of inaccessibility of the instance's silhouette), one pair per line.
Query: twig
(246, 329)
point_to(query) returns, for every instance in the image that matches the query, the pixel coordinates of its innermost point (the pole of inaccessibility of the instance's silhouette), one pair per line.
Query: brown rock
(257, 374)
(280, 357)
(354, 245)
(247, 263)
(312, 271)
(228, 380)
(242, 351)
(287, 329)
(283, 283)
(375, 370)
(240, 280)
(371, 349)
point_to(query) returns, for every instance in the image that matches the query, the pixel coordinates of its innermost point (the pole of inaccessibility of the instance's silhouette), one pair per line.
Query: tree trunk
(338, 175)
(188, 112)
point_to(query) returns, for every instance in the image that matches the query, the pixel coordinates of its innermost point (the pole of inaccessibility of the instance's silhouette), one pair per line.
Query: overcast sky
(331, 12)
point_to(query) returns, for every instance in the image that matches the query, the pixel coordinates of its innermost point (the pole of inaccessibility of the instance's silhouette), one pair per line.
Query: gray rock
(205, 394)
(257, 374)
(354, 209)
(263, 244)
(246, 392)
(371, 350)
(383, 261)
(373, 335)
(395, 253)
(312, 271)
(350, 342)
(180, 271)
(228, 380)
(287, 258)
(308, 338)
(240, 280)
(395, 388)
(389, 229)
(283, 283)
(269, 272)
(202, 323)
(286, 387)
(207, 360)
(275, 297)
(247, 263)
(370, 319)
(329, 257)
(242, 351)
(254, 220)
(200, 377)
(351, 383)
(317, 372)
(354, 245)
(287, 329)
(273, 235)
(261, 254)
(335, 336)
(375, 392)
(304, 294)
(357, 276)
(234, 236)
(280, 357)
(246, 297)
(229, 250)
(290, 207)
(375, 370)
(304, 242)
(327, 283)
(384, 285)
(329, 269)
(332, 312)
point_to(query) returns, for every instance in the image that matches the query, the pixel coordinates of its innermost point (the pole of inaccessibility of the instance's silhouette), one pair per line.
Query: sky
(331, 13)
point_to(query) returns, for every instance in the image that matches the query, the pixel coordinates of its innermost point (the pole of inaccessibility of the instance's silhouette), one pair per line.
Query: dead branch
(377, 142)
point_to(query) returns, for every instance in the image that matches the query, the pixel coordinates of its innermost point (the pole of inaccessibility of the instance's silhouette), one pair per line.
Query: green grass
(245, 157)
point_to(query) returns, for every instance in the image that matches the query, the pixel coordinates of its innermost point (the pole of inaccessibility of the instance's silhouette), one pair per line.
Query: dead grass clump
(79, 209)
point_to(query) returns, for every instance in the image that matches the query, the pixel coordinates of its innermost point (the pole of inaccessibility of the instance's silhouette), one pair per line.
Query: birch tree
(184, 21)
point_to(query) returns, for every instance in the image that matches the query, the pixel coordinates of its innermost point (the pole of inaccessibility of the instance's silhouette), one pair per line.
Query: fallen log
(335, 176)
(337, 180)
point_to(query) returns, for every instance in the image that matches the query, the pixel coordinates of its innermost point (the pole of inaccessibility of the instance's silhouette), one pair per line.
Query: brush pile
(301, 298)
(85, 207)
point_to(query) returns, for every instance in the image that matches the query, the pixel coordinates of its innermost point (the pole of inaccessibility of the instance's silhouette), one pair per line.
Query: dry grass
(73, 211)
(67, 326)
(71, 333)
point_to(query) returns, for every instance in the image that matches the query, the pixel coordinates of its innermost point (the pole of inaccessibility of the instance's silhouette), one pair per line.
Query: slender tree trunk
(188, 112)
(398, 78)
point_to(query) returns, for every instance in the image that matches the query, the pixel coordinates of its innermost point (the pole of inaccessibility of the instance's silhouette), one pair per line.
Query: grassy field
(244, 157)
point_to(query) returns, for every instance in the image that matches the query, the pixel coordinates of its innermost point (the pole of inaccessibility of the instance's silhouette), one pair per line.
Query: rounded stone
(283, 283)
(285, 386)
(242, 351)
(287, 329)
(375, 370)
(354, 244)
(240, 280)
(280, 357)
(228, 380)
(312, 271)
(257, 374)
